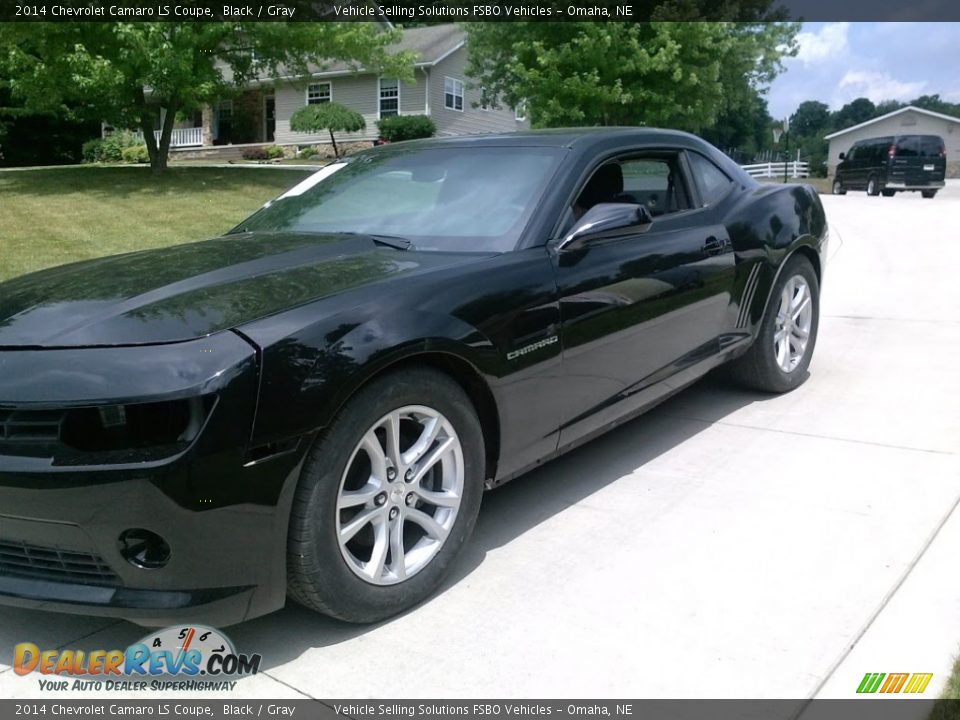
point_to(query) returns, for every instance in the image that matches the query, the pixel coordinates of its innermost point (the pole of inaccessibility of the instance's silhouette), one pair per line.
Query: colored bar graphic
(918, 682)
(895, 682)
(870, 682)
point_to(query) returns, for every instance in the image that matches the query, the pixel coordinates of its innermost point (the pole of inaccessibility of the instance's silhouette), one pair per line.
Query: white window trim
(463, 94)
(520, 111)
(399, 91)
(306, 92)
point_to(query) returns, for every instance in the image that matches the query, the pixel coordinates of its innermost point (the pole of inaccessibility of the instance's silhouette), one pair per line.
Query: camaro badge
(530, 348)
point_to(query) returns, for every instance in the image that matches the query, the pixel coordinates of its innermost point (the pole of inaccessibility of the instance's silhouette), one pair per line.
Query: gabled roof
(908, 108)
(430, 44)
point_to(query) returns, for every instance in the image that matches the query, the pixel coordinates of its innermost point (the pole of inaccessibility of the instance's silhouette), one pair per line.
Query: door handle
(714, 246)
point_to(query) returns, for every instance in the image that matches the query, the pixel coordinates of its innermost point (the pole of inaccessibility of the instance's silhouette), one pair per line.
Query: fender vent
(746, 300)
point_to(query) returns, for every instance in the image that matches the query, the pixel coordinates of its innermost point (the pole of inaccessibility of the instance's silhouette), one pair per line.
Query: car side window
(711, 180)
(852, 153)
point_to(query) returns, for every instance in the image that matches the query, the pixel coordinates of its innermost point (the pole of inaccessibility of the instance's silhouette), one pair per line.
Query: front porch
(248, 119)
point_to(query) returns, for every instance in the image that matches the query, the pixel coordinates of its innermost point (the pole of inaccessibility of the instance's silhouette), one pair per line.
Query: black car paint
(871, 158)
(553, 347)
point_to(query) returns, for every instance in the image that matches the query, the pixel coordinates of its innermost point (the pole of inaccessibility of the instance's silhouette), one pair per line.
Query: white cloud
(815, 47)
(876, 86)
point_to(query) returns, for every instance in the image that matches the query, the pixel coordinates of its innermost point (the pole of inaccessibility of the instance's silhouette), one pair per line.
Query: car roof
(566, 137)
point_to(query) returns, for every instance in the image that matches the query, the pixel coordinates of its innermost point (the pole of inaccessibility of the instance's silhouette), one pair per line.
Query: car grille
(18, 559)
(30, 425)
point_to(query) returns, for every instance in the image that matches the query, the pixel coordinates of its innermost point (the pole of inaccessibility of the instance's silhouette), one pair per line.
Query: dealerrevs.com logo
(186, 658)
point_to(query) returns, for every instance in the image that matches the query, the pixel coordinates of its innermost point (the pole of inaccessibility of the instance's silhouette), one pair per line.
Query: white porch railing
(793, 169)
(180, 137)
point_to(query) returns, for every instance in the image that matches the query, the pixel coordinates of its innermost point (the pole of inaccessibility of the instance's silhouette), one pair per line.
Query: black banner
(403, 11)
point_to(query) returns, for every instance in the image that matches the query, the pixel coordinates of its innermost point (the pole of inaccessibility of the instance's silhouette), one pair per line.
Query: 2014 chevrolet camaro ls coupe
(314, 403)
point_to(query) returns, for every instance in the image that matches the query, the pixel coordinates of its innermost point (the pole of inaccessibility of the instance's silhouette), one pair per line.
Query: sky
(838, 62)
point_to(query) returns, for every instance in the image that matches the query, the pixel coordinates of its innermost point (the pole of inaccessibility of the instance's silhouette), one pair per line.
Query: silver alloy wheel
(793, 323)
(871, 187)
(837, 187)
(399, 495)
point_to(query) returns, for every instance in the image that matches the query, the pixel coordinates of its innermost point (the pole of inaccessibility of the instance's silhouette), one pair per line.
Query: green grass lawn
(51, 217)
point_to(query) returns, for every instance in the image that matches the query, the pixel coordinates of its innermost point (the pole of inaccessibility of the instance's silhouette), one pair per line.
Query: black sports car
(313, 403)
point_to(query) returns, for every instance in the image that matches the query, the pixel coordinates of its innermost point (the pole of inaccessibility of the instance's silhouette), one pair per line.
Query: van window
(908, 146)
(931, 146)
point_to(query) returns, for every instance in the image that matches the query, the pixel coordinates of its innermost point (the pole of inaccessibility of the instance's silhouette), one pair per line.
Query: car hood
(186, 292)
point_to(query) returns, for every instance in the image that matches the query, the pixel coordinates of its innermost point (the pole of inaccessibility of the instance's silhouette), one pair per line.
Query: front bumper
(222, 513)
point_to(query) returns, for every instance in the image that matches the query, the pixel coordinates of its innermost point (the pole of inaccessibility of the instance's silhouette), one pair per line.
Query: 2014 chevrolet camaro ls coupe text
(314, 403)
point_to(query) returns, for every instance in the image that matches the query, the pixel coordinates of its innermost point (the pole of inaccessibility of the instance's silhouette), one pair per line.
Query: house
(440, 88)
(905, 121)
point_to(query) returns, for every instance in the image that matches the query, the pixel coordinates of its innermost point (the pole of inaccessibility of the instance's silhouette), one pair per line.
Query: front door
(637, 309)
(269, 117)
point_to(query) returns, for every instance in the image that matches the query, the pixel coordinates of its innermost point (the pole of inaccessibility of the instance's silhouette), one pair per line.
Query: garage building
(905, 121)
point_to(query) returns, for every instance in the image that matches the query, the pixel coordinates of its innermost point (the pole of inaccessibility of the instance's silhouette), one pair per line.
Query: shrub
(406, 127)
(309, 152)
(135, 154)
(331, 117)
(115, 143)
(92, 150)
(270, 152)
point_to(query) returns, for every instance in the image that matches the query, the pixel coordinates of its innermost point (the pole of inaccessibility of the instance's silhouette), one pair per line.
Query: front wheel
(386, 498)
(929, 193)
(873, 186)
(777, 361)
(838, 188)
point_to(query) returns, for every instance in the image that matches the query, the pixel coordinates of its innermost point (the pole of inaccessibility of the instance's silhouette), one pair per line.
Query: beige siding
(908, 123)
(472, 120)
(357, 92)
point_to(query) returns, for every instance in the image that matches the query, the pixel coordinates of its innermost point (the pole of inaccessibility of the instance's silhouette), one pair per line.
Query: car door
(637, 308)
(853, 167)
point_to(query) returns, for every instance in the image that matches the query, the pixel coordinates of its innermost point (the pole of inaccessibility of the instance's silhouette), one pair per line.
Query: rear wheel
(778, 359)
(928, 193)
(888, 193)
(873, 186)
(386, 498)
(838, 188)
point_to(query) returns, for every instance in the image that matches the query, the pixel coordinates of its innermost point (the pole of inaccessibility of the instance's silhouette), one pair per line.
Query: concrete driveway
(726, 545)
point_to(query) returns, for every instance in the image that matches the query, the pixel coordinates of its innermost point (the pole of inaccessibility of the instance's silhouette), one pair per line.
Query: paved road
(725, 545)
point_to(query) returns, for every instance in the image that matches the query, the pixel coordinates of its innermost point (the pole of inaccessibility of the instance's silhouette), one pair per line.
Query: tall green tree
(678, 74)
(811, 118)
(124, 73)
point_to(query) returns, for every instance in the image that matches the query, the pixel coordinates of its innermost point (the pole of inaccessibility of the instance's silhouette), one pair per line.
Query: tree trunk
(336, 153)
(158, 163)
(146, 127)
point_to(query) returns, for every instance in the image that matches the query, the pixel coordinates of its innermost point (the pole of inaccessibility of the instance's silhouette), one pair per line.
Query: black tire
(873, 186)
(317, 573)
(758, 369)
(838, 188)
(888, 193)
(929, 194)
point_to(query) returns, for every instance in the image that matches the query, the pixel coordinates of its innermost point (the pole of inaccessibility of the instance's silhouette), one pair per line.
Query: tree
(125, 73)
(853, 113)
(329, 116)
(677, 74)
(811, 118)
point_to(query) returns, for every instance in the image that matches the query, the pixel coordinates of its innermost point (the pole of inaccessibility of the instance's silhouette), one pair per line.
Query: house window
(318, 93)
(389, 97)
(520, 111)
(452, 94)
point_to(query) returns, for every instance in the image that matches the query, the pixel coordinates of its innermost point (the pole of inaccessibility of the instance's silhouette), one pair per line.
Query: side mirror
(605, 220)
(843, 156)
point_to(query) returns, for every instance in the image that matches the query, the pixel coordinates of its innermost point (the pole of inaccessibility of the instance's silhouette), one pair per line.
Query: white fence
(794, 169)
(180, 137)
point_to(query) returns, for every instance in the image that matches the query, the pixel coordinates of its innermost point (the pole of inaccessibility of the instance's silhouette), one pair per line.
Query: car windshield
(453, 199)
